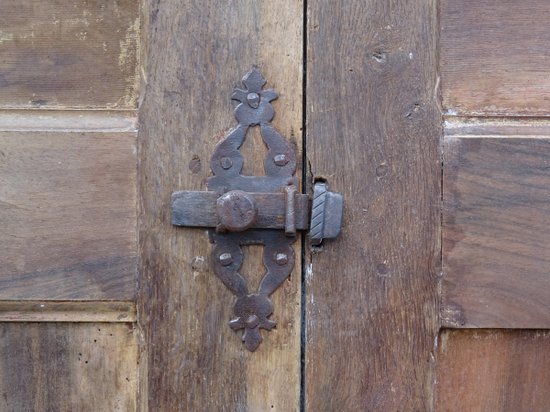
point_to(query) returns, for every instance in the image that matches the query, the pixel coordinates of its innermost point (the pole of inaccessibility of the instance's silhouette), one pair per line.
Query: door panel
(496, 218)
(69, 215)
(493, 370)
(494, 65)
(68, 367)
(77, 53)
(198, 52)
(494, 57)
(68, 244)
(373, 132)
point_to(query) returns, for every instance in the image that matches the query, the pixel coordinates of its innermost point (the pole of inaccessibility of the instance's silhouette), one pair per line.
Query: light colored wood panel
(497, 127)
(495, 231)
(74, 53)
(373, 131)
(68, 212)
(73, 311)
(24, 120)
(493, 370)
(494, 57)
(68, 367)
(197, 55)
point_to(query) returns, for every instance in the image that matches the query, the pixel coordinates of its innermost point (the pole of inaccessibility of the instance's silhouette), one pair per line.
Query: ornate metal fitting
(245, 210)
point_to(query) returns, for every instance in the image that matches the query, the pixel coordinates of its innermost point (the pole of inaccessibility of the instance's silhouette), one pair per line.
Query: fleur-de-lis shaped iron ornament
(252, 310)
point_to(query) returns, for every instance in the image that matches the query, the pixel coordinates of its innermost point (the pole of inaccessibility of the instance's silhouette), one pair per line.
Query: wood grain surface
(67, 311)
(78, 53)
(197, 55)
(493, 370)
(68, 367)
(495, 229)
(68, 213)
(494, 57)
(373, 132)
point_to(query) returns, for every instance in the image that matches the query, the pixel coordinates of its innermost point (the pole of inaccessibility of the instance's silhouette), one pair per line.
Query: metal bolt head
(236, 210)
(252, 321)
(280, 160)
(226, 162)
(226, 259)
(253, 100)
(281, 258)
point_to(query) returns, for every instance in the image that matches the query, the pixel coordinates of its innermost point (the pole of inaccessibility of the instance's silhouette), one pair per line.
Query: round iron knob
(236, 211)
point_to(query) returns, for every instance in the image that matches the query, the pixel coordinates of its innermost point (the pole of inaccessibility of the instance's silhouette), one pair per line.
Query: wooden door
(68, 245)
(430, 117)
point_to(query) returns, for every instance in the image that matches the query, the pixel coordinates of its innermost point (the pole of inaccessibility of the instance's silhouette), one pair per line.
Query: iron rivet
(226, 259)
(226, 162)
(253, 100)
(252, 321)
(281, 259)
(280, 160)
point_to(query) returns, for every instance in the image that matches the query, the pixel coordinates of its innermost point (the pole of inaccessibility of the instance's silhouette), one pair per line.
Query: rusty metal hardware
(245, 210)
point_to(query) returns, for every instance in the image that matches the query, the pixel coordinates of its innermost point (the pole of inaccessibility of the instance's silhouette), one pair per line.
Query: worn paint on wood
(495, 227)
(74, 54)
(68, 213)
(493, 370)
(373, 132)
(197, 54)
(68, 367)
(495, 57)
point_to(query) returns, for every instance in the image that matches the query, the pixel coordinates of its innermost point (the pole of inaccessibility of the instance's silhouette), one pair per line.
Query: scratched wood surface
(373, 132)
(68, 213)
(196, 56)
(68, 367)
(76, 53)
(495, 57)
(493, 370)
(495, 230)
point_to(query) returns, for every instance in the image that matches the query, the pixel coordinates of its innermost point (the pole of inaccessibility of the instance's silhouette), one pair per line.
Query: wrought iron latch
(267, 210)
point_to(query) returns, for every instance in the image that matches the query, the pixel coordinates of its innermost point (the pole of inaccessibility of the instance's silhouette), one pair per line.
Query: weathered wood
(495, 230)
(373, 131)
(495, 57)
(72, 311)
(78, 54)
(68, 213)
(496, 127)
(23, 120)
(197, 54)
(68, 367)
(493, 370)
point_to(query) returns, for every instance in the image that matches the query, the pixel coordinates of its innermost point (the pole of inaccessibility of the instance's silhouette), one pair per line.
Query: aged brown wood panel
(373, 131)
(495, 57)
(76, 53)
(68, 213)
(495, 228)
(493, 370)
(197, 53)
(68, 367)
(67, 311)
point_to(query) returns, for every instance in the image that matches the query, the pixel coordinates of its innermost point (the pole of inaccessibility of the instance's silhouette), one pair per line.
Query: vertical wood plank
(493, 370)
(68, 367)
(373, 132)
(198, 51)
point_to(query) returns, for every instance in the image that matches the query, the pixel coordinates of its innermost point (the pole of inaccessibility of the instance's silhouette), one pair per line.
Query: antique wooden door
(429, 117)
